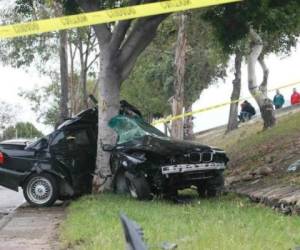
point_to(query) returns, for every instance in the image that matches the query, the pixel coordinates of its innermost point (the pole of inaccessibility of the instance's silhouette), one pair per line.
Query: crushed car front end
(164, 165)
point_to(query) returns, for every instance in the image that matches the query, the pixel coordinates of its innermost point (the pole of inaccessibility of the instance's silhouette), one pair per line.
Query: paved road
(32, 229)
(9, 200)
(27, 228)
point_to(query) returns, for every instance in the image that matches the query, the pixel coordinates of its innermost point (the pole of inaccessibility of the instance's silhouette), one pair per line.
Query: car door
(75, 149)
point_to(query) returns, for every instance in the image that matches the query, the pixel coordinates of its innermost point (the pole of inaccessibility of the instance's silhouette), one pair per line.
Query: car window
(37, 144)
(129, 128)
(58, 138)
(67, 142)
(80, 137)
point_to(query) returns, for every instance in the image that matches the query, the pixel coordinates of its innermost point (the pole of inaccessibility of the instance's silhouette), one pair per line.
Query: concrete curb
(7, 218)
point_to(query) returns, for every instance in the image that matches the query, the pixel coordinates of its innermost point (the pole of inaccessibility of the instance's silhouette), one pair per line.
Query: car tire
(138, 187)
(40, 190)
(212, 187)
(201, 188)
(120, 183)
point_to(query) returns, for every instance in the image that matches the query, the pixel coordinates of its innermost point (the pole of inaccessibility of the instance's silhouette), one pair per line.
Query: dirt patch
(32, 229)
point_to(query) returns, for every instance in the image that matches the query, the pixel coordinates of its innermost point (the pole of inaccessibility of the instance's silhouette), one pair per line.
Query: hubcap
(39, 190)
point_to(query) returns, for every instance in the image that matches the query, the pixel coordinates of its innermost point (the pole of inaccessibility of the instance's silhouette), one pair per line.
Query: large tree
(120, 44)
(236, 89)
(151, 89)
(269, 26)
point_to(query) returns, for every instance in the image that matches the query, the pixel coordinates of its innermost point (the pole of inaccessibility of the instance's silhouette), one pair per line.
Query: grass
(250, 148)
(225, 223)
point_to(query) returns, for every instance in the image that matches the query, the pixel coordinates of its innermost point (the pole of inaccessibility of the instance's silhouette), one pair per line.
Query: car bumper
(189, 168)
(11, 179)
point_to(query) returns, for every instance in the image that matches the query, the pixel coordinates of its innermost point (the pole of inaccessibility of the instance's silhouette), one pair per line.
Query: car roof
(20, 141)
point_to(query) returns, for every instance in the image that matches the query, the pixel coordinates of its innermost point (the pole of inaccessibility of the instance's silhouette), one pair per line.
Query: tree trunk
(72, 81)
(189, 125)
(109, 104)
(236, 92)
(119, 51)
(83, 75)
(63, 56)
(83, 84)
(259, 92)
(180, 64)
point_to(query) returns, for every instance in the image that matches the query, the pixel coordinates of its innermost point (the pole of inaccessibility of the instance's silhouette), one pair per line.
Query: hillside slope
(253, 151)
(259, 161)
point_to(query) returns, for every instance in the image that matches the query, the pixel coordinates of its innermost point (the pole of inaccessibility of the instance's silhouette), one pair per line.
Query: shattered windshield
(129, 128)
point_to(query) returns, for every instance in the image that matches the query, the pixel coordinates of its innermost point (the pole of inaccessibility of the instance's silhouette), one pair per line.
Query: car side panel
(17, 164)
(11, 179)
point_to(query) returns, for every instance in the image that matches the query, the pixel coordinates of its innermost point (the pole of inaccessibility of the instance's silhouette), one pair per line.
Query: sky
(282, 71)
(12, 81)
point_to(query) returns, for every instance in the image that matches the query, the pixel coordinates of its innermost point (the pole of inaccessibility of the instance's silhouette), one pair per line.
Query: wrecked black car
(57, 166)
(146, 162)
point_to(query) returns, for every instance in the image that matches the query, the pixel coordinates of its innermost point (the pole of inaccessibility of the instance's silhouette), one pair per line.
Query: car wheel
(120, 183)
(211, 187)
(138, 187)
(201, 190)
(40, 190)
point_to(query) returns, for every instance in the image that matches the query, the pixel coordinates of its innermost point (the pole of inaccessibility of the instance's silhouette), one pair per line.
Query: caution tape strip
(181, 116)
(105, 16)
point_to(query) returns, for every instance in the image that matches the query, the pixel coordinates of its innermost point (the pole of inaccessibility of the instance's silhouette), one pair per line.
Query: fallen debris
(295, 167)
(282, 198)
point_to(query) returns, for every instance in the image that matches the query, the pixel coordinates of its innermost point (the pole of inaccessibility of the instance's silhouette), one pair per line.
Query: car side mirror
(108, 147)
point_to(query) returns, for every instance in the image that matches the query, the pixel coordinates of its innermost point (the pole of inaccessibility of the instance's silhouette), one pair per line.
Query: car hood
(163, 145)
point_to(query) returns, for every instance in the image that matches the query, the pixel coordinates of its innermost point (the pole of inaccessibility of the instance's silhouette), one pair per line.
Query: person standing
(295, 98)
(278, 100)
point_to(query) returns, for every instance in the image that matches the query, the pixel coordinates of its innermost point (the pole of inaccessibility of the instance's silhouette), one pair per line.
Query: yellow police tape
(104, 16)
(181, 116)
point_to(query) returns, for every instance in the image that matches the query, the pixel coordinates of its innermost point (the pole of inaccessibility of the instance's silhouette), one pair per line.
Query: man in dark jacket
(278, 100)
(247, 111)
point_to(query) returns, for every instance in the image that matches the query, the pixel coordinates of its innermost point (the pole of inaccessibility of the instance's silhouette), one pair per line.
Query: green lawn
(226, 223)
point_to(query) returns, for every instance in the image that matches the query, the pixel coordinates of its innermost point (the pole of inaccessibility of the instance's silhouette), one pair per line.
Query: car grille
(207, 157)
(192, 158)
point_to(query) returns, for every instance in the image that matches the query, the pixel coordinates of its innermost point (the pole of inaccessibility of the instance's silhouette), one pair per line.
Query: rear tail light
(1, 158)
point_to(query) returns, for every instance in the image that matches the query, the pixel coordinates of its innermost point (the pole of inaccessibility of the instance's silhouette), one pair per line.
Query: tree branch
(121, 29)
(101, 30)
(263, 85)
(93, 43)
(256, 49)
(91, 63)
(87, 51)
(139, 38)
